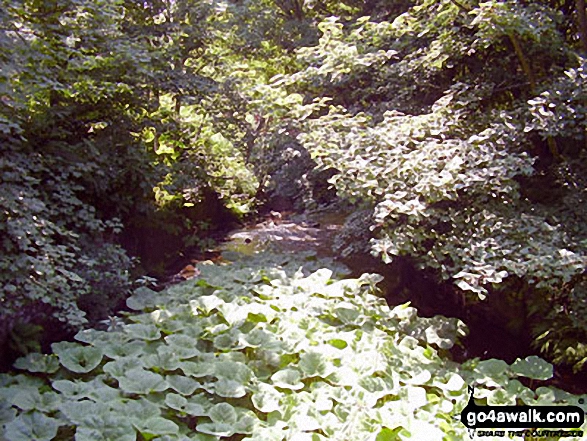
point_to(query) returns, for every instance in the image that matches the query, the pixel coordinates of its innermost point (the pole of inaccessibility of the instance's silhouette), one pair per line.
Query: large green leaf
(195, 406)
(95, 389)
(266, 399)
(141, 381)
(314, 364)
(216, 429)
(157, 426)
(28, 399)
(183, 385)
(143, 332)
(312, 378)
(36, 362)
(32, 426)
(141, 299)
(533, 367)
(288, 379)
(121, 366)
(223, 413)
(228, 388)
(77, 358)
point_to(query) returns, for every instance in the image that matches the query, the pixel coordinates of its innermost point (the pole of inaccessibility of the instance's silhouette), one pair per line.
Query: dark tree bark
(582, 24)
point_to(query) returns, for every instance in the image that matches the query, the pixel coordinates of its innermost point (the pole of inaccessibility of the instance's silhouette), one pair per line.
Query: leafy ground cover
(266, 347)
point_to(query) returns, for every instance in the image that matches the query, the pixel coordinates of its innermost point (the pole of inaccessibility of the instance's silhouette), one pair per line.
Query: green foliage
(434, 123)
(51, 244)
(100, 132)
(560, 110)
(262, 349)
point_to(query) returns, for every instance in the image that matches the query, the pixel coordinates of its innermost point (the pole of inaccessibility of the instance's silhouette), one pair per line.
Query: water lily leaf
(141, 381)
(35, 362)
(32, 426)
(77, 358)
(533, 367)
(288, 379)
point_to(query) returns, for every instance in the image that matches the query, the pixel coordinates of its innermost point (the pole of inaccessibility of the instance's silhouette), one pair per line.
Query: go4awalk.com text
(522, 421)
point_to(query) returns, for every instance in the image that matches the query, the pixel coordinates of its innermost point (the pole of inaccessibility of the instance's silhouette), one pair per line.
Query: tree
(443, 122)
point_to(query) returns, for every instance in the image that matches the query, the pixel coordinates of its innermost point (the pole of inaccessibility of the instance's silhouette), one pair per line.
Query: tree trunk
(582, 24)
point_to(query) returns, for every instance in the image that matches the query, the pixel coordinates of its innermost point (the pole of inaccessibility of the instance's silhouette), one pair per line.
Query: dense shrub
(475, 108)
